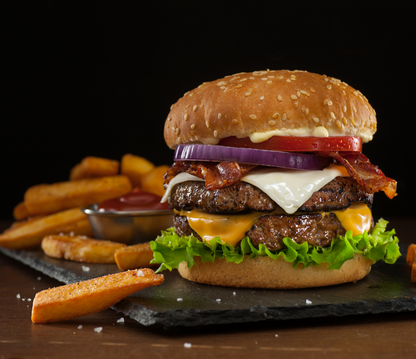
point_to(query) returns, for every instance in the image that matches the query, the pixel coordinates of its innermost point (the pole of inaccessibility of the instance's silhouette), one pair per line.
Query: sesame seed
(284, 117)
(177, 131)
(269, 82)
(253, 117)
(293, 97)
(251, 78)
(311, 89)
(264, 78)
(192, 126)
(219, 116)
(344, 108)
(244, 79)
(280, 98)
(169, 119)
(207, 123)
(353, 107)
(333, 115)
(248, 93)
(261, 98)
(339, 124)
(185, 117)
(270, 77)
(276, 115)
(234, 121)
(271, 122)
(288, 80)
(305, 93)
(195, 108)
(238, 86)
(329, 87)
(344, 120)
(325, 102)
(222, 83)
(316, 119)
(307, 111)
(215, 133)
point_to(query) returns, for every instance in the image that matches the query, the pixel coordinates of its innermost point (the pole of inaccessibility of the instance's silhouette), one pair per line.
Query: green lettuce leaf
(169, 250)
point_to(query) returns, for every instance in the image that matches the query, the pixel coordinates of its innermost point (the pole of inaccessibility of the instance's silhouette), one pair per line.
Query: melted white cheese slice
(288, 188)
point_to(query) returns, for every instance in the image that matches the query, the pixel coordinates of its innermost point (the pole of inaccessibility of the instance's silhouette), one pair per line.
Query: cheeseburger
(269, 184)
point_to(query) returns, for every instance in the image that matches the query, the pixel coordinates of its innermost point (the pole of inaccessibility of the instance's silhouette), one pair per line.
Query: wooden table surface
(363, 336)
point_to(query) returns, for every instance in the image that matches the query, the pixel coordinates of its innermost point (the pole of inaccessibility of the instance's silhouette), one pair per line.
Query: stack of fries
(50, 215)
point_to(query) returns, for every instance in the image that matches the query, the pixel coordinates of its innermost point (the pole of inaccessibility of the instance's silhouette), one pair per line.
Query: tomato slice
(298, 144)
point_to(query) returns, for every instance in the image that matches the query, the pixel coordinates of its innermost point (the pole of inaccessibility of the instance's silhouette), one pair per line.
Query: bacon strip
(216, 175)
(365, 173)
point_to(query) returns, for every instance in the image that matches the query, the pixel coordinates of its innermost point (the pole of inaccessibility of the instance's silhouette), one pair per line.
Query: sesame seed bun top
(269, 103)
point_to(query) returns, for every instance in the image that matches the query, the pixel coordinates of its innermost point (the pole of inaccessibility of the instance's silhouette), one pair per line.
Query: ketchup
(136, 200)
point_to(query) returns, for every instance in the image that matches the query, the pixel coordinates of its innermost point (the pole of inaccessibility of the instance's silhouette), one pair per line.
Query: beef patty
(270, 230)
(340, 193)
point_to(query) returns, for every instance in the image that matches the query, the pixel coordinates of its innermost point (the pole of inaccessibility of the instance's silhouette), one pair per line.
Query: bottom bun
(264, 272)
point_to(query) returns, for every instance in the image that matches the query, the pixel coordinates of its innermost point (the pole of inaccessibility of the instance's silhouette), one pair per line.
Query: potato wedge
(51, 198)
(91, 296)
(153, 181)
(80, 228)
(91, 167)
(80, 248)
(411, 254)
(20, 212)
(134, 167)
(30, 234)
(135, 256)
(413, 275)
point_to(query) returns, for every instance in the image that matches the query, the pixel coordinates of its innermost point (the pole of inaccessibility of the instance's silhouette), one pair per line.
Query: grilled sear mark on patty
(340, 193)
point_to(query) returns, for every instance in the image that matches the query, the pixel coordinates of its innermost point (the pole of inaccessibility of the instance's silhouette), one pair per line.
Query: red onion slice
(215, 153)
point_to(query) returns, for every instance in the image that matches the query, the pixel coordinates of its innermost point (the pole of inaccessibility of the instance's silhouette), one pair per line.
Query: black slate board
(180, 303)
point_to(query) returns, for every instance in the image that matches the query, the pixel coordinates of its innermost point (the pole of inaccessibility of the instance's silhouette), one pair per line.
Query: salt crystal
(234, 293)
(98, 329)
(121, 320)
(85, 269)
(187, 345)
(179, 299)
(79, 326)
(308, 301)
(218, 300)
(18, 296)
(39, 278)
(276, 335)
(29, 299)
(140, 273)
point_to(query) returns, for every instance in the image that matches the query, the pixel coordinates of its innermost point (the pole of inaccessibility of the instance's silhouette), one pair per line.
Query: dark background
(98, 78)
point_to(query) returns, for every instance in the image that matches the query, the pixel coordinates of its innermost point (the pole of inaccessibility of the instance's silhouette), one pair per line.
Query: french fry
(134, 167)
(92, 166)
(80, 248)
(135, 256)
(51, 198)
(153, 181)
(30, 234)
(91, 296)
(80, 228)
(411, 254)
(20, 212)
